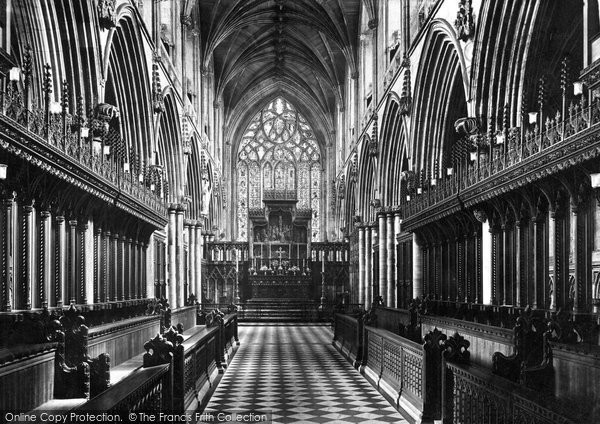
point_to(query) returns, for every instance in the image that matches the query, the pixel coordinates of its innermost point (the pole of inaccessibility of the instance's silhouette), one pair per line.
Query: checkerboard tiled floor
(295, 373)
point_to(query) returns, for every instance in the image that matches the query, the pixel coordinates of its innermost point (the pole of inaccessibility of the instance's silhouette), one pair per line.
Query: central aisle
(296, 374)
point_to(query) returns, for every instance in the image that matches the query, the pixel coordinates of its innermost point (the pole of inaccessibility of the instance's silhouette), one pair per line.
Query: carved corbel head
(480, 215)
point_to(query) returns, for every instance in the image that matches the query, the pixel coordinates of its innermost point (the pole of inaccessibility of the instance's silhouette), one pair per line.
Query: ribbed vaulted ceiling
(299, 48)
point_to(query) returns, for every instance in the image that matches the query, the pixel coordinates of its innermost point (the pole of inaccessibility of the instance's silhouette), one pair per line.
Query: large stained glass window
(279, 151)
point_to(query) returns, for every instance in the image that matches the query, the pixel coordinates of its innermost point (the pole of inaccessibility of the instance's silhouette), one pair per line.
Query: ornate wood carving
(456, 349)
(528, 347)
(72, 363)
(99, 374)
(158, 351)
(580, 146)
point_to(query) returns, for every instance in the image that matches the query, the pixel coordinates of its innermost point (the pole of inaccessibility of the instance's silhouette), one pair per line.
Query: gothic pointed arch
(128, 87)
(441, 97)
(393, 152)
(366, 181)
(279, 152)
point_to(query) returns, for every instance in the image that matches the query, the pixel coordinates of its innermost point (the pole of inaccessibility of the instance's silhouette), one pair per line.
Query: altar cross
(280, 252)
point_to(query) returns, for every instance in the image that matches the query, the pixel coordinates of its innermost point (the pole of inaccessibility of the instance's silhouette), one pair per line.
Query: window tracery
(279, 152)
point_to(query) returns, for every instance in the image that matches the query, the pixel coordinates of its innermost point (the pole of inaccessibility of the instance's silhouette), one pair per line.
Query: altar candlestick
(323, 263)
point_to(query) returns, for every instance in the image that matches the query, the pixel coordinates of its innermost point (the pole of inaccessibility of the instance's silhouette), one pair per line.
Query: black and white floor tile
(293, 374)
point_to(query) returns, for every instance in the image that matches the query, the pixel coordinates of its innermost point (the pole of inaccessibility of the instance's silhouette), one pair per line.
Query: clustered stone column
(395, 234)
(368, 266)
(191, 232)
(198, 259)
(171, 243)
(361, 264)
(179, 251)
(195, 241)
(387, 227)
(390, 295)
(382, 239)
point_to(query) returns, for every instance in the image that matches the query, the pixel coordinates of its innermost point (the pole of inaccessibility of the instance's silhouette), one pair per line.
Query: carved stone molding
(465, 22)
(107, 14)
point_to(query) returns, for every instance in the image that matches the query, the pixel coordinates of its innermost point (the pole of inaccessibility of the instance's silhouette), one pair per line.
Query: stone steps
(280, 310)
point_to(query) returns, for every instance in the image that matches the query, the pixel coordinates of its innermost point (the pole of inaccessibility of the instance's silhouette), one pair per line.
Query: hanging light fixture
(97, 145)
(55, 108)
(533, 117)
(14, 74)
(499, 137)
(3, 171)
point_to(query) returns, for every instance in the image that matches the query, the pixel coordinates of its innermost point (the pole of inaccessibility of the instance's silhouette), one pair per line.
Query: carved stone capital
(186, 20)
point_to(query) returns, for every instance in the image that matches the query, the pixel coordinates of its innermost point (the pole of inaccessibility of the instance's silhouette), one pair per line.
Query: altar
(280, 246)
(281, 287)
